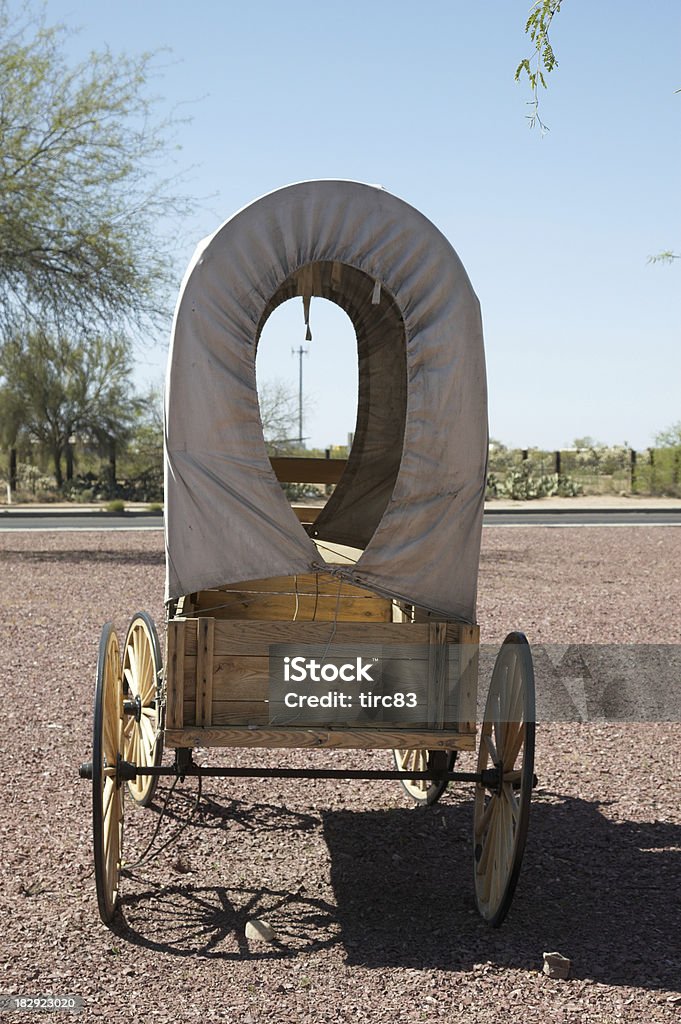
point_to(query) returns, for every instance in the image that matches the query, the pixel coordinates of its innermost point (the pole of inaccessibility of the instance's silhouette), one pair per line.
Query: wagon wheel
(107, 793)
(419, 760)
(142, 736)
(502, 807)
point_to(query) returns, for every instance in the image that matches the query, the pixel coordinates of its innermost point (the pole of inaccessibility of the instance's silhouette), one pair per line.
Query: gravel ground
(371, 898)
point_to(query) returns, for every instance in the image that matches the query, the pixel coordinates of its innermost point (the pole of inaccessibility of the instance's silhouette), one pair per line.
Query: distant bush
(525, 483)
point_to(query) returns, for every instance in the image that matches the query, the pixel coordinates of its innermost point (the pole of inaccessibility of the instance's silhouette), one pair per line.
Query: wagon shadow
(603, 893)
(210, 922)
(214, 812)
(187, 919)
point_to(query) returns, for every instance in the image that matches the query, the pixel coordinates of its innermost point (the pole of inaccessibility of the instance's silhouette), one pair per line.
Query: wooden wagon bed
(218, 664)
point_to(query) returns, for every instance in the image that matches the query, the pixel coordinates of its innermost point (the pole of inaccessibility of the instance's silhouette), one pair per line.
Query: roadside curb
(583, 510)
(95, 513)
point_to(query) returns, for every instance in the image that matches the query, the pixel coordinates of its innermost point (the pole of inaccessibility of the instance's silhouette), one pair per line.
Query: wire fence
(512, 473)
(532, 472)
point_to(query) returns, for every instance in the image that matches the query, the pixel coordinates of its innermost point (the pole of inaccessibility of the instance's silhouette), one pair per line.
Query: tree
(669, 438)
(81, 191)
(62, 388)
(12, 417)
(143, 454)
(279, 414)
(586, 442)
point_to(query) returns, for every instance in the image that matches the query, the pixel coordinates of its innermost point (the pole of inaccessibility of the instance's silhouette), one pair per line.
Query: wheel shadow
(210, 921)
(605, 894)
(187, 919)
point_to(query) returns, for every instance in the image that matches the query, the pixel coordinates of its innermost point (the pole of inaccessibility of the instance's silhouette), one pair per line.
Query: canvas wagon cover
(412, 494)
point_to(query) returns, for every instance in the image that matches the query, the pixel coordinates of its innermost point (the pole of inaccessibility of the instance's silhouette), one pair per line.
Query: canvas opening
(357, 504)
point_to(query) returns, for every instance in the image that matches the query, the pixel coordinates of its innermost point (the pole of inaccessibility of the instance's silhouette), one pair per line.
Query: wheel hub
(133, 707)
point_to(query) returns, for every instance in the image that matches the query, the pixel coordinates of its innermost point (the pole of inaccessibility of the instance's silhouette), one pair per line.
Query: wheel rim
(107, 793)
(142, 740)
(416, 760)
(501, 816)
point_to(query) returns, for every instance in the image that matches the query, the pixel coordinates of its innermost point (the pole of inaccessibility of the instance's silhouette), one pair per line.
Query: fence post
(557, 455)
(632, 469)
(69, 461)
(111, 468)
(12, 471)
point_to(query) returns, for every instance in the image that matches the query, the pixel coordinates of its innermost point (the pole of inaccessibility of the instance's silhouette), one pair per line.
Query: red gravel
(371, 898)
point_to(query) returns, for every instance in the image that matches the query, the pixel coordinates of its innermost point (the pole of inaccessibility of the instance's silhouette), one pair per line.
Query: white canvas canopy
(412, 494)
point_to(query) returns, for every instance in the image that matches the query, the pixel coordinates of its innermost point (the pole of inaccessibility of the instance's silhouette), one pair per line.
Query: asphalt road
(98, 521)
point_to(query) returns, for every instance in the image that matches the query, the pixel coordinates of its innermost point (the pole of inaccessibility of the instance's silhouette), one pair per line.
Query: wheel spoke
(108, 739)
(483, 822)
(491, 748)
(489, 839)
(516, 703)
(142, 748)
(147, 676)
(512, 800)
(112, 852)
(106, 800)
(149, 733)
(515, 744)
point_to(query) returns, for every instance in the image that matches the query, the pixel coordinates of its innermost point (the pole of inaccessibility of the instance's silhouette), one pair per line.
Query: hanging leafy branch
(664, 257)
(542, 61)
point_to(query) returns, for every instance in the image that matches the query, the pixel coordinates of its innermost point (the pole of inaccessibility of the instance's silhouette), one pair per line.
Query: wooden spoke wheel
(420, 760)
(107, 792)
(142, 736)
(501, 812)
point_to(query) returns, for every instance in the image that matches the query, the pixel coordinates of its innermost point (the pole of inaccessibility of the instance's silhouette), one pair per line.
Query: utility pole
(300, 352)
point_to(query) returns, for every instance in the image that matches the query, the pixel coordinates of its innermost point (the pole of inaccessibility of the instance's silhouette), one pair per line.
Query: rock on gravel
(260, 930)
(556, 965)
(371, 897)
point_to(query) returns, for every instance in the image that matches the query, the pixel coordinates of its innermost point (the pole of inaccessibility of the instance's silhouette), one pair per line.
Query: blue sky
(582, 335)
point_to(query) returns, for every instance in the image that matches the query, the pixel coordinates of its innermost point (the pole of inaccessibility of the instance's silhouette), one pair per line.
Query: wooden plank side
(303, 583)
(349, 739)
(293, 470)
(239, 636)
(231, 712)
(468, 687)
(249, 713)
(246, 677)
(241, 678)
(204, 671)
(438, 675)
(307, 513)
(291, 607)
(175, 674)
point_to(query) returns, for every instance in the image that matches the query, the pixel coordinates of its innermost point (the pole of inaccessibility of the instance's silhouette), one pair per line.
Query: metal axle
(127, 772)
